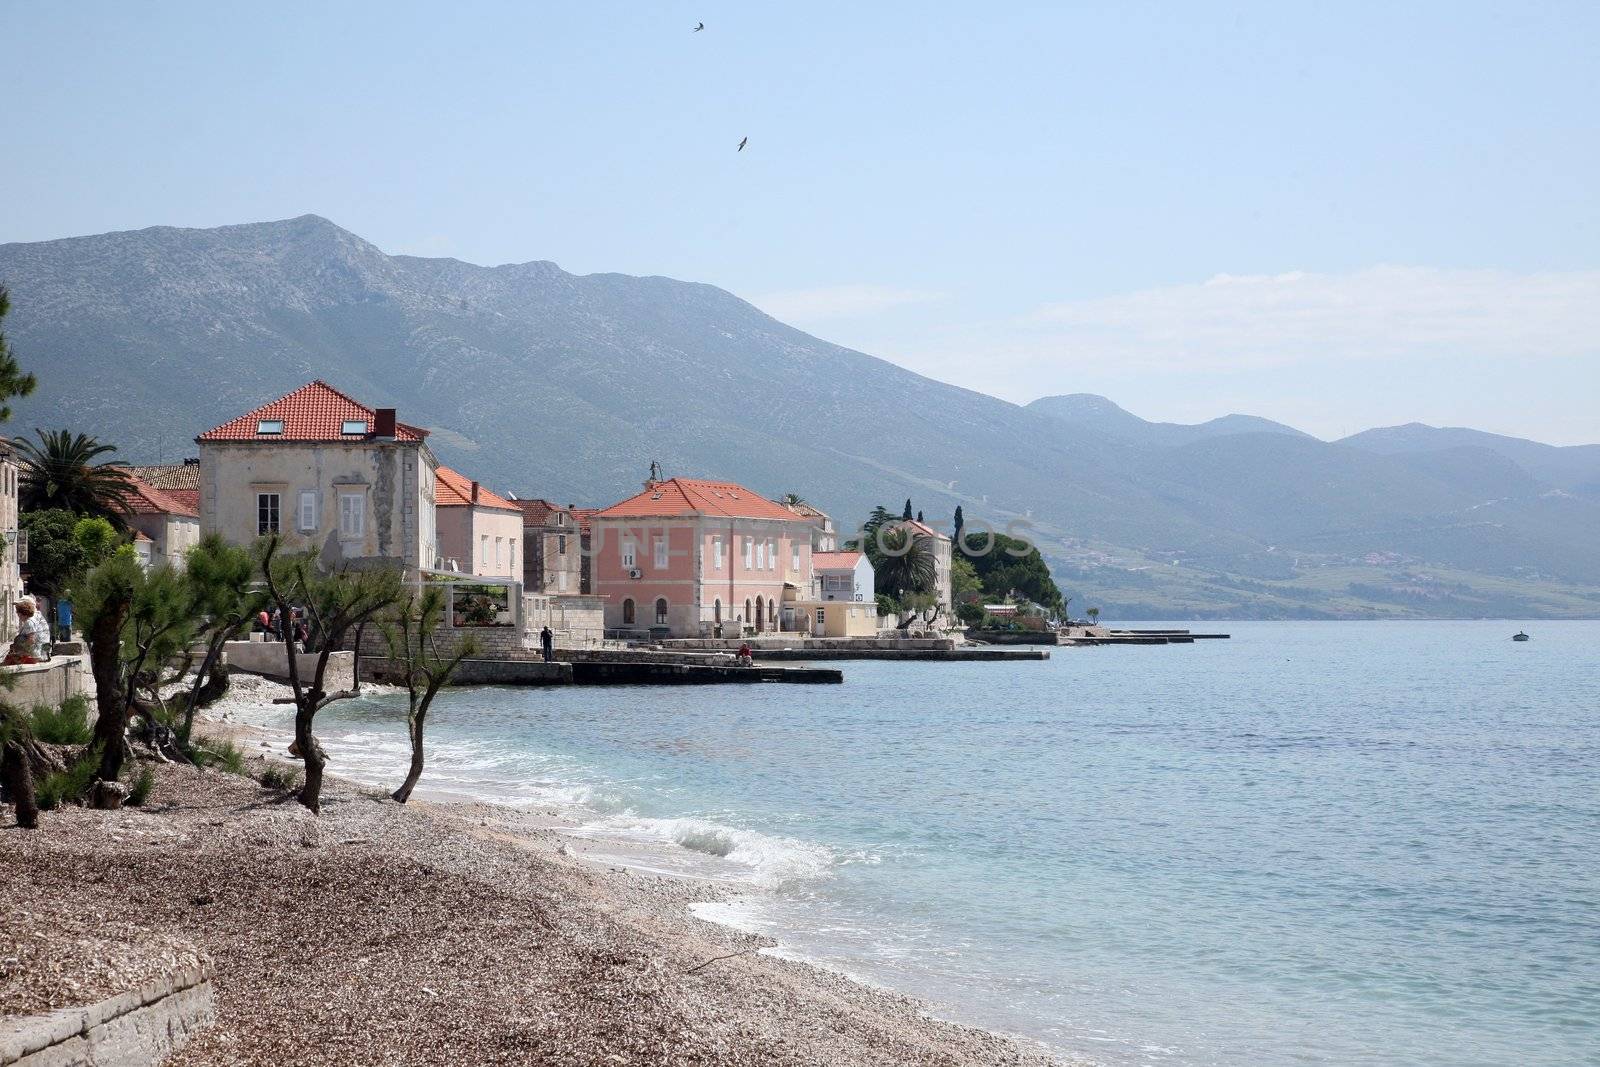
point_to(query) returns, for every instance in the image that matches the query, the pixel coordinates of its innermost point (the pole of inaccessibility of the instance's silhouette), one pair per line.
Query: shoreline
(210, 866)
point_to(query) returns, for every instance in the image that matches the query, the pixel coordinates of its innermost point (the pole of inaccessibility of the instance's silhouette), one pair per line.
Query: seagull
(698, 28)
(742, 144)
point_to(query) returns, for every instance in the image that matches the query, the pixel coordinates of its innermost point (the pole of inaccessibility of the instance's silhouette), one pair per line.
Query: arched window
(761, 614)
(661, 611)
(748, 615)
(716, 610)
(627, 612)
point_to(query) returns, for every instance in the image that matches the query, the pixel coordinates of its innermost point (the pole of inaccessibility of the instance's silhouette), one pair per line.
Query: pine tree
(907, 514)
(919, 516)
(13, 382)
(960, 522)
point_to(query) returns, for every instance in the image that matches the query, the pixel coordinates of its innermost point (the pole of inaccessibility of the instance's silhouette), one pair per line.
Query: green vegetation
(139, 792)
(60, 472)
(64, 725)
(63, 546)
(13, 382)
(1009, 567)
(70, 786)
(220, 753)
(281, 777)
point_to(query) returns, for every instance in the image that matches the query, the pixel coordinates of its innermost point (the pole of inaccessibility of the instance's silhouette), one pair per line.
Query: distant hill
(546, 383)
(1569, 467)
(1096, 414)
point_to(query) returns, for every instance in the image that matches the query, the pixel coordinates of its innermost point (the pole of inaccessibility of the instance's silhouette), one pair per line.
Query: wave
(764, 860)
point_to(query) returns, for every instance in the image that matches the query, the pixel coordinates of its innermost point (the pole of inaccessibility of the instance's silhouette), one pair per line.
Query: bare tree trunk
(315, 760)
(105, 650)
(16, 773)
(404, 792)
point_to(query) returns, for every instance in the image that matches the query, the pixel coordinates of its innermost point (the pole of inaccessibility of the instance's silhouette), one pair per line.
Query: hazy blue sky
(1338, 215)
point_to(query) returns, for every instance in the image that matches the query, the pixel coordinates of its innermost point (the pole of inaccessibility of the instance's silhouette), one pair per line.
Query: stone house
(943, 548)
(324, 472)
(688, 557)
(479, 530)
(553, 562)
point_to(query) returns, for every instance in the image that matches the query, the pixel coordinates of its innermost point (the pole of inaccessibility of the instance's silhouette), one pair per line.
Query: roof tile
(314, 412)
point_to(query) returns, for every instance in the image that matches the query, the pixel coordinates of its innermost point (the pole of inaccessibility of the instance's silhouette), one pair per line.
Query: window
(761, 555)
(822, 617)
(308, 510)
(716, 552)
(794, 557)
(266, 513)
(716, 610)
(561, 581)
(354, 426)
(772, 554)
(511, 555)
(561, 544)
(749, 550)
(661, 553)
(352, 515)
(630, 553)
(627, 612)
(269, 426)
(499, 552)
(661, 611)
(483, 549)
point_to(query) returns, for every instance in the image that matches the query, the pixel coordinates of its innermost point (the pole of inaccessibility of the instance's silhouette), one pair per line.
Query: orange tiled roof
(584, 517)
(834, 561)
(189, 498)
(455, 491)
(922, 528)
(314, 412)
(141, 499)
(696, 496)
(537, 511)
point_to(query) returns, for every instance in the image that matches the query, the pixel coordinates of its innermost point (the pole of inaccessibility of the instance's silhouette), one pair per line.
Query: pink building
(688, 556)
(478, 530)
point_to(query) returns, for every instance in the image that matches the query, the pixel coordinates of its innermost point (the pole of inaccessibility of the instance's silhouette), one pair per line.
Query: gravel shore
(422, 934)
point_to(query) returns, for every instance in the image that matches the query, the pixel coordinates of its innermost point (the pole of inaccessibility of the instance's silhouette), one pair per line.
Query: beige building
(324, 472)
(168, 525)
(553, 561)
(480, 532)
(837, 618)
(942, 551)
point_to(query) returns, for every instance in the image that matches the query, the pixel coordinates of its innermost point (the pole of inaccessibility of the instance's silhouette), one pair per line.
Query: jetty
(1090, 636)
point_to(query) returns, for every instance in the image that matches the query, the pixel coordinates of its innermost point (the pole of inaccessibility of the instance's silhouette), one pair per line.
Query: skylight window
(354, 426)
(269, 426)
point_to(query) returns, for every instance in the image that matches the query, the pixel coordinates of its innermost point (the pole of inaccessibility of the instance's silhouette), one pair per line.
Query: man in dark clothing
(547, 642)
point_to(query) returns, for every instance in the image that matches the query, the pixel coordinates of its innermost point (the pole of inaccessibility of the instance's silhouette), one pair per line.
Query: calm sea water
(1363, 843)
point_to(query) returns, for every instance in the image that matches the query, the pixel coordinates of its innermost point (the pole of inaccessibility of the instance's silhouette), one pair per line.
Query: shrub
(70, 785)
(280, 776)
(65, 725)
(140, 791)
(220, 753)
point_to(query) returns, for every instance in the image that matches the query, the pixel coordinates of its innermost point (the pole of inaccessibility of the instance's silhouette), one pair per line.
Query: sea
(1313, 843)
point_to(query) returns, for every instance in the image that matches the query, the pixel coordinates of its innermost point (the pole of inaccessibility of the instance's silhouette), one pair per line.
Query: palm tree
(792, 500)
(61, 472)
(903, 562)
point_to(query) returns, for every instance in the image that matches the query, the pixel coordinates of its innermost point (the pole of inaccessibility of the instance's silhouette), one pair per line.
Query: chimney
(474, 492)
(383, 423)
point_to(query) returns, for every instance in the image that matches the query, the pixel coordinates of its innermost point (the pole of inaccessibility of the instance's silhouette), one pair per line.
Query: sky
(1335, 215)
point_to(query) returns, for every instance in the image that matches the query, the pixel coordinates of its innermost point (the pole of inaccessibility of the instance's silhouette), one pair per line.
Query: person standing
(547, 642)
(63, 619)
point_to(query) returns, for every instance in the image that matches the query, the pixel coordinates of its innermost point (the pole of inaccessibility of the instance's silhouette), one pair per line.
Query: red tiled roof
(695, 496)
(537, 512)
(922, 528)
(584, 517)
(169, 476)
(834, 561)
(455, 491)
(189, 498)
(141, 499)
(314, 412)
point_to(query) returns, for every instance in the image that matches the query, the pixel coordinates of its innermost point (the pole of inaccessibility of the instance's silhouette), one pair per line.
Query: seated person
(32, 643)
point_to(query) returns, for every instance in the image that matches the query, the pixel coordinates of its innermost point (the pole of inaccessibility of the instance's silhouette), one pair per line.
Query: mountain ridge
(547, 383)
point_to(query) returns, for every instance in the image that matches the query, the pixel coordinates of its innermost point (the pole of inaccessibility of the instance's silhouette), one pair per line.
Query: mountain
(1568, 467)
(1097, 415)
(551, 384)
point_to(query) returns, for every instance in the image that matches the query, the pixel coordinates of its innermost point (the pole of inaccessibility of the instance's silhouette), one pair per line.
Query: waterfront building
(165, 524)
(824, 538)
(943, 548)
(553, 561)
(324, 472)
(479, 530)
(843, 576)
(690, 557)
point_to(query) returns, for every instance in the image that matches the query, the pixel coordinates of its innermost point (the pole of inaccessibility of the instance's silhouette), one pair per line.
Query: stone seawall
(144, 1026)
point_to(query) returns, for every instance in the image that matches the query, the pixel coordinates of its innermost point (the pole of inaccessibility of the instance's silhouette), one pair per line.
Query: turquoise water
(1363, 843)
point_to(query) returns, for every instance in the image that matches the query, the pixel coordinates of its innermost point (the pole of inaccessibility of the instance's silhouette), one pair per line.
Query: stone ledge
(143, 1025)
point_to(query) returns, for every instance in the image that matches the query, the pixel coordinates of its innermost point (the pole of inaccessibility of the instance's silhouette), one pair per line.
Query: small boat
(1519, 636)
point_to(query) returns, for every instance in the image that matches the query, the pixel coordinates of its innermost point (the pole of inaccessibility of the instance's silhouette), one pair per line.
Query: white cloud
(802, 306)
(1244, 321)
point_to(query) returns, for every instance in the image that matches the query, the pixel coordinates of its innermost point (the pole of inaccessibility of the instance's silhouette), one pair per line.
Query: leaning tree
(336, 601)
(411, 632)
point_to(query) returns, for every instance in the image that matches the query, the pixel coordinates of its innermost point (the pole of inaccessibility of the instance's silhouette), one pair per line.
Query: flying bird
(698, 28)
(742, 144)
